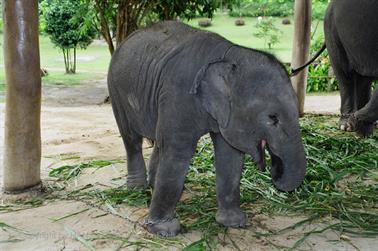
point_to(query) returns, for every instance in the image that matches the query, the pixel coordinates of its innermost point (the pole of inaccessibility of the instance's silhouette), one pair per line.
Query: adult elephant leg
(340, 64)
(364, 119)
(347, 95)
(363, 90)
(228, 164)
(175, 153)
(153, 166)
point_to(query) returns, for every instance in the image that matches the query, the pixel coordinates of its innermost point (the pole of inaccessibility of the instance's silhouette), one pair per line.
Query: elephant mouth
(277, 164)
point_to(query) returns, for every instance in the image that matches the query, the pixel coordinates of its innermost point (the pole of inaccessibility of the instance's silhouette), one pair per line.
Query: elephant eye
(274, 119)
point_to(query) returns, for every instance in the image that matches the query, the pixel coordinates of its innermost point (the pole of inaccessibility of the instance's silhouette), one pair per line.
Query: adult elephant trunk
(288, 165)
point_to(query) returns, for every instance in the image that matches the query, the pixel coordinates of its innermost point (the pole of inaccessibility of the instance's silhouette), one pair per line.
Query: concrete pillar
(301, 48)
(22, 137)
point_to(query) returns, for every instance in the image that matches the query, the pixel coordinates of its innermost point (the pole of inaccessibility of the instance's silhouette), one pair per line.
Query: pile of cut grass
(341, 184)
(68, 172)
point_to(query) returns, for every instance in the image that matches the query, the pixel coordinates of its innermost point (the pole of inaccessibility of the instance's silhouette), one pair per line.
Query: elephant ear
(212, 85)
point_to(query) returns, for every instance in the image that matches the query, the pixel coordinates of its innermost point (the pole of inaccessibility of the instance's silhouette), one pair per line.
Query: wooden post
(22, 137)
(301, 48)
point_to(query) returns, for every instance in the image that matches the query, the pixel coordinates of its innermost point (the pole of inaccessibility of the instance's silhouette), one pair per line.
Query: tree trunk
(301, 48)
(128, 16)
(69, 61)
(104, 24)
(22, 153)
(65, 60)
(121, 21)
(74, 62)
(167, 15)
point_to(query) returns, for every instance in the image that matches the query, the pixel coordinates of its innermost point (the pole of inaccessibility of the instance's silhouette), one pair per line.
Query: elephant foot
(165, 228)
(231, 218)
(343, 123)
(136, 182)
(361, 127)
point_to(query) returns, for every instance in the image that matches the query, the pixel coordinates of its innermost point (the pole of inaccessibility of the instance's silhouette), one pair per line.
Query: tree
(115, 18)
(268, 31)
(66, 29)
(119, 18)
(187, 9)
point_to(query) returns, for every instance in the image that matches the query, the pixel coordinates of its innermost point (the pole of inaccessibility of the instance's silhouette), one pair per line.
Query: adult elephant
(351, 32)
(173, 84)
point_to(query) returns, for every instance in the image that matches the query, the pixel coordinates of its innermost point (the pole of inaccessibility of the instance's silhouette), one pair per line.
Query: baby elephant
(173, 84)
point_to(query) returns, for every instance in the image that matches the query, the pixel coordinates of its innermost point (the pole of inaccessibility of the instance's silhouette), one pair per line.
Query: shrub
(204, 23)
(286, 21)
(320, 76)
(239, 22)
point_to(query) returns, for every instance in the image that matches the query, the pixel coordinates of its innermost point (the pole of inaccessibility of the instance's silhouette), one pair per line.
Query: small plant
(204, 23)
(239, 22)
(268, 31)
(320, 75)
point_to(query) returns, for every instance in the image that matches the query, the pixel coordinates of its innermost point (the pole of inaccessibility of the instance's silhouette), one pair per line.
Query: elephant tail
(298, 70)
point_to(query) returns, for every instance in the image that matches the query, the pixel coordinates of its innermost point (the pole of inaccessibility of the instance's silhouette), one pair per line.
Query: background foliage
(104, 18)
(64, 27)
(321, 77)
(274, 8)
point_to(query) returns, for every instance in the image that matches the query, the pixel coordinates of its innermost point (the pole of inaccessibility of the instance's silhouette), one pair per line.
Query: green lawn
(92, 63)
(243, 35)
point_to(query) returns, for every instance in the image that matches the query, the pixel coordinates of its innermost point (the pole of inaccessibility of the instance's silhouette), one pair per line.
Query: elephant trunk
(288, 166)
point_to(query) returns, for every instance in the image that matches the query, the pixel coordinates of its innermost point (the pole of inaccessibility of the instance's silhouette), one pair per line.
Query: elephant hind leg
(348, 96)
(136, 168)
(363, 90)
(153, 166)
(347, 87)
(364, 119)
(341, 67)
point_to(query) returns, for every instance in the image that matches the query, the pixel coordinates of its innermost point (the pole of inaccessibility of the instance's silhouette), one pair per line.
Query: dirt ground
(76, 123)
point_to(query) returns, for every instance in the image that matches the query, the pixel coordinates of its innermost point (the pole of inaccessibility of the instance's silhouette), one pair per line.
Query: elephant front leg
(229, 165)
(174, 158)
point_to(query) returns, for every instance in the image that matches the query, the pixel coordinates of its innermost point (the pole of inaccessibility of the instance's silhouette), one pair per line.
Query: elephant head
(252, 100)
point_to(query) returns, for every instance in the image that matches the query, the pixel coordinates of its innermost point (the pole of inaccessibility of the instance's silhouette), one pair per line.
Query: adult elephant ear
(212, 85)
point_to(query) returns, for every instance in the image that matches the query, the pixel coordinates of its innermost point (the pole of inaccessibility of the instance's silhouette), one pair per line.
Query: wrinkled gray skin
(173, 84)
(351, 32)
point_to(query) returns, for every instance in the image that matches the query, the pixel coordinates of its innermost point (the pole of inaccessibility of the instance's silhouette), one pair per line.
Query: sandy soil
(74, 124)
